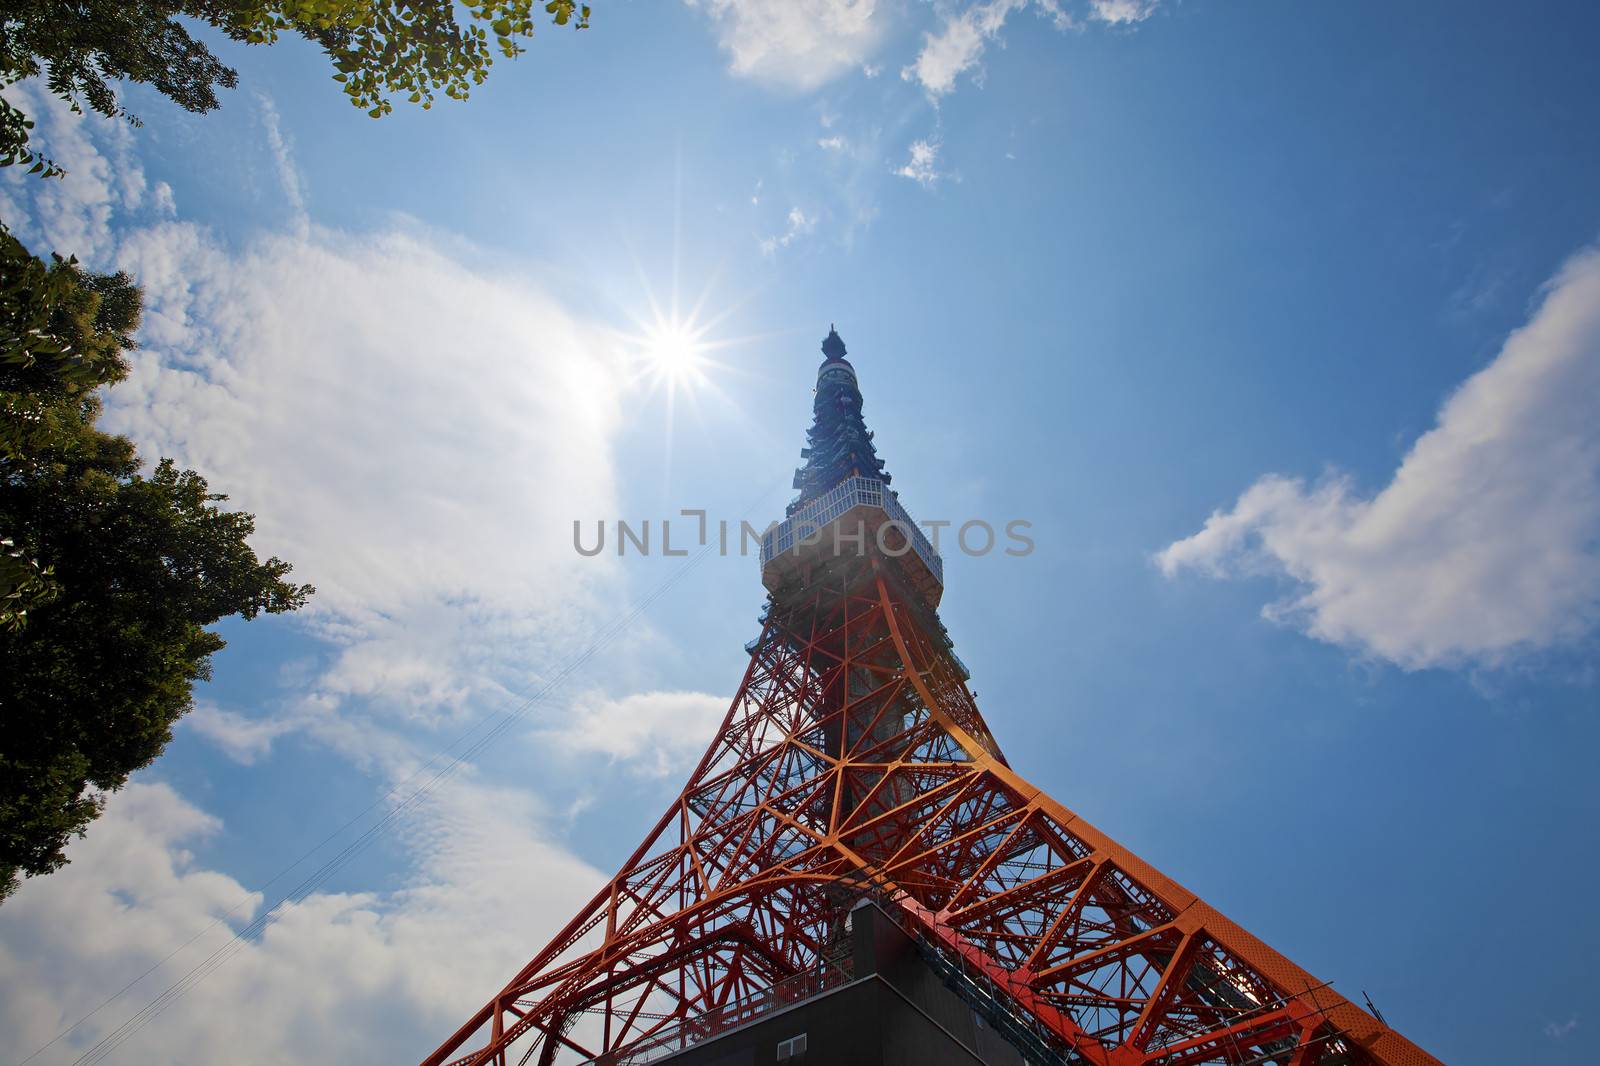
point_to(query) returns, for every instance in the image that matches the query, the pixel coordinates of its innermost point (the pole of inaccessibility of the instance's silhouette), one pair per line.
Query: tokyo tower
(854, 873)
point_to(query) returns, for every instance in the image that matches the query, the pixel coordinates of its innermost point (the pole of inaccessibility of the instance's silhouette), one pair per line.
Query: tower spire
(832, 344)
(838, 444)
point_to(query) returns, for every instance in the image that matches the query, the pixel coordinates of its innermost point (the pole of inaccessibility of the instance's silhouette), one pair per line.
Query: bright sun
(670, 356)
(673, 351)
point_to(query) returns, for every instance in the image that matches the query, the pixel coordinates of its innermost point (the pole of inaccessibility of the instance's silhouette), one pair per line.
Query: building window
(792, 1048)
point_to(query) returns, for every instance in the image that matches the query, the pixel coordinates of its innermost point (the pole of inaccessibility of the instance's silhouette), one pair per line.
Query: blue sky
(1280, 323)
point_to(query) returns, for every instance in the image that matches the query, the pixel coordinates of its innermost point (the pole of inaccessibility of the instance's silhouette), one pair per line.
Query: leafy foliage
(379, 48)
(108, 577)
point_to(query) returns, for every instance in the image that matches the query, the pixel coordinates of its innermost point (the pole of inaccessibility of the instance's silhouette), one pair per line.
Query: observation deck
(857, 518)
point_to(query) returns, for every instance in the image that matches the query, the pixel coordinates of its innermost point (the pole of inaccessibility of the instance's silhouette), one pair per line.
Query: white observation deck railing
(849, 493)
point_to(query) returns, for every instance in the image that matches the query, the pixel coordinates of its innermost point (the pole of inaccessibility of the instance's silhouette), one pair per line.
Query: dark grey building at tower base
(898, 1007)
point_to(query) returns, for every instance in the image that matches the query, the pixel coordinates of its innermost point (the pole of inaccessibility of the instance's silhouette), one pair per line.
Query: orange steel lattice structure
(854, 761)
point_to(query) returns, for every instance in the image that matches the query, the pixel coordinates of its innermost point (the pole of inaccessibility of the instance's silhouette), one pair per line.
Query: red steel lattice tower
(854, 763)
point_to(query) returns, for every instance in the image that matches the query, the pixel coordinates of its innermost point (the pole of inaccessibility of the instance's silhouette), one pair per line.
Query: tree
(379, 48)
(109, 576)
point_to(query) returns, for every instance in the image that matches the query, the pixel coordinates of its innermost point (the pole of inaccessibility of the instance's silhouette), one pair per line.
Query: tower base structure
(888, 999)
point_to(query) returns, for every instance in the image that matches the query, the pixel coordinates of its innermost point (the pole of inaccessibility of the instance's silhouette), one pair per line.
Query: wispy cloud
(922, 164)
(283, 159)
(958, 45)
(1483, 545)
(653, 733)
(1122, 12)
(797, 44)
(1559, 1030)
(798, 225)
(242, 738)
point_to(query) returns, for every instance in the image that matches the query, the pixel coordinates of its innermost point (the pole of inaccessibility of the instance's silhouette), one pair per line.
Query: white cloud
(656, 733)
(958, 45)
(830, 144)
(242, 738)
(1560, 1030)
(798, 44)
(1058, 16)
(1483, 545)
(799, 224)
(283, 159)
(346, 387)
(363, 977)
(1122, 12)
(414, 434)
(162, 200)
(71, 215)
(922, 166)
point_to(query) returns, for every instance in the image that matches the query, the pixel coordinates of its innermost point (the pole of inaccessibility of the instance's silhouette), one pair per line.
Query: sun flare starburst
(673, 352)
(673, 361)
